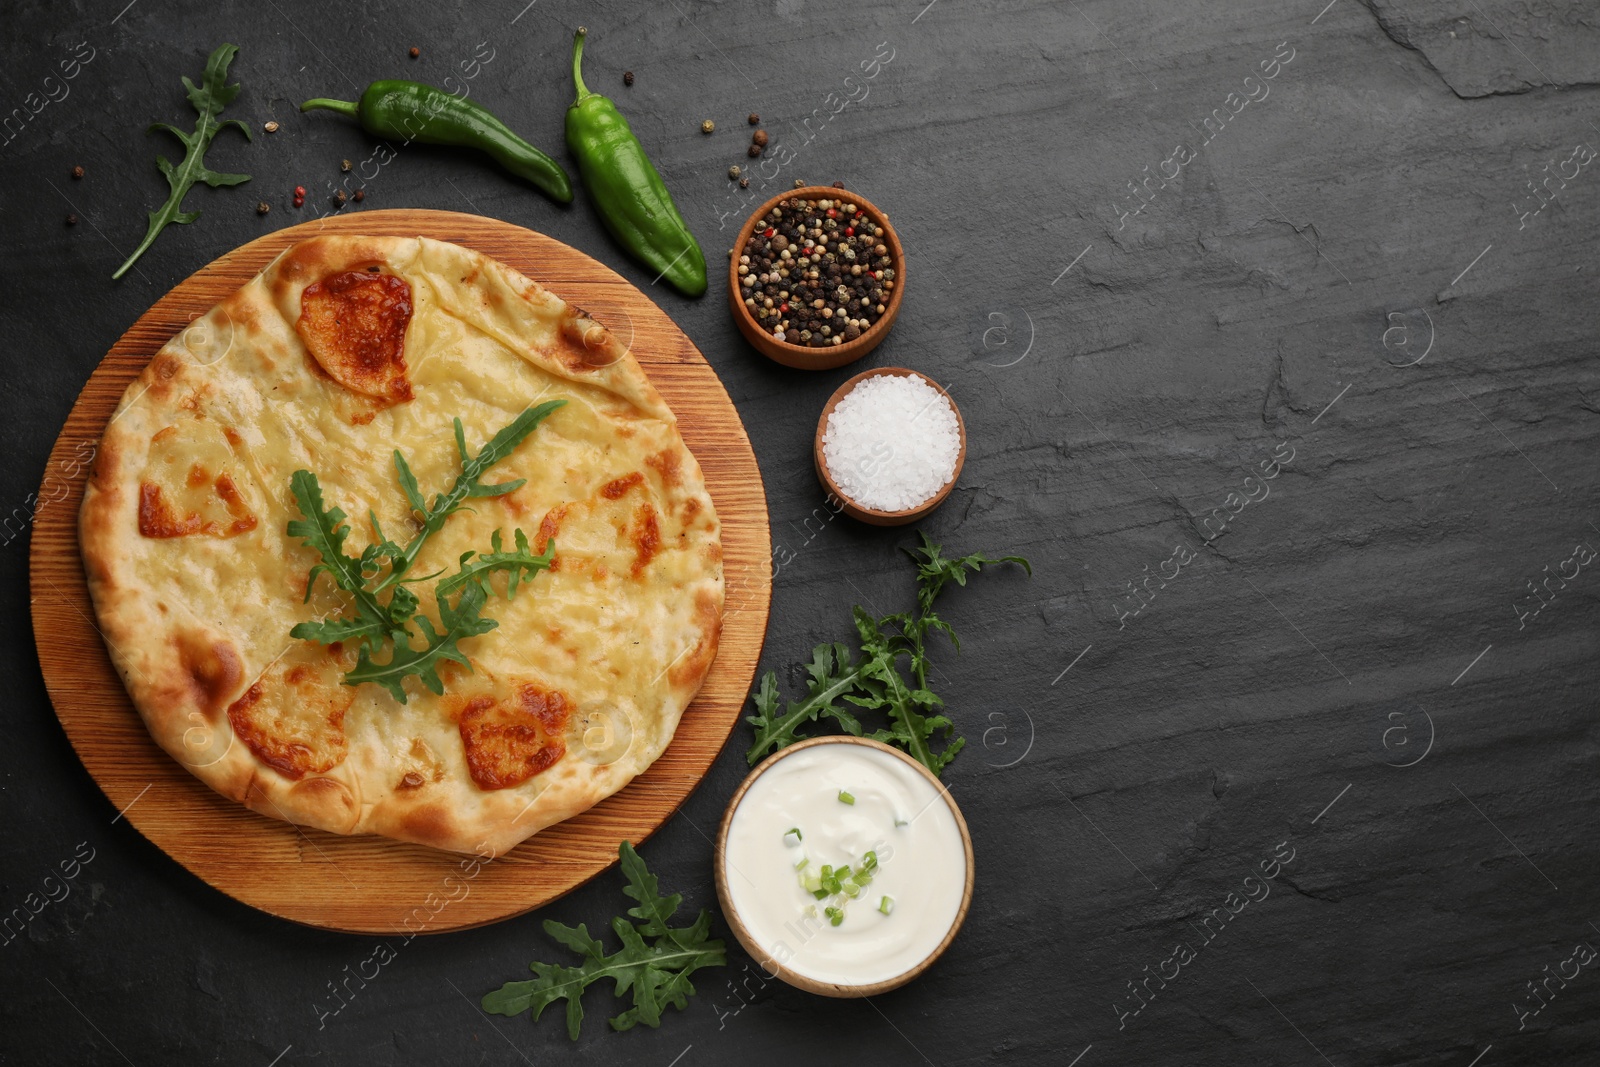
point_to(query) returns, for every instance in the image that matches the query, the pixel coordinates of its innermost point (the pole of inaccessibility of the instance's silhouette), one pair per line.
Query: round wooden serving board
(372, 884)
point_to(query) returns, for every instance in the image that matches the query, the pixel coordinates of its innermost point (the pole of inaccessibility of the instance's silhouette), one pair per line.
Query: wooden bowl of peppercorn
(805, 345)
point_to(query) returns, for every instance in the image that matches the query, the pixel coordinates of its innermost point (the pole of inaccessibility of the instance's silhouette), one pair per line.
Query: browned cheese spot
(508, 741)
(354, 325)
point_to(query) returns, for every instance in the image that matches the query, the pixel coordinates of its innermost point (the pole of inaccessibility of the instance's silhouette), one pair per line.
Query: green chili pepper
(628, 192)
(410, 111)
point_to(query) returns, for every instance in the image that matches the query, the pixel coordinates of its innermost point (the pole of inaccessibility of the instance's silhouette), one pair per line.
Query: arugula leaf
(468, 484)
(460, 621)
(914, 723)
(833, 675)
(656, 971)
(876, 682)
(376, 622)
(517, 563)
(209, 98)
(324, 530)
(933, 571)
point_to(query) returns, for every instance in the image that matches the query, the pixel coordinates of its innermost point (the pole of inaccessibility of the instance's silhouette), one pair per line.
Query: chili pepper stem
(346, 107)
(577, 65)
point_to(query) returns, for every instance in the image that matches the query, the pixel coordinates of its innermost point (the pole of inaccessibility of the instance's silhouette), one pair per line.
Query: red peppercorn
(832, 214)
(299, 190)
(783, 306)
(849, 231)
(770, 231)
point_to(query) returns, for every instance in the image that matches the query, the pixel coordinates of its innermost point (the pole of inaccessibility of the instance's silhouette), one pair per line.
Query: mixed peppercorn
(816, 272)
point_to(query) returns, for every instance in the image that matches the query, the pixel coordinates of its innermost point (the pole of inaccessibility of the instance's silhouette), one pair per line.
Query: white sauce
(921, 864)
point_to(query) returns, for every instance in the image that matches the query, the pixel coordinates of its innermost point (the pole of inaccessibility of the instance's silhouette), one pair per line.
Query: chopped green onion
(852, 890)
(869, 861)
(846, 798)
(886, 905)
(811, 911)
(842, 872)
(803, 864)
(792, 832)
(863, 878)
(820, 894)
(835, 916)
(827, 870)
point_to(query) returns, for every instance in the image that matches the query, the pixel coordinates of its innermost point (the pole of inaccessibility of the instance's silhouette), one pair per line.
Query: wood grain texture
(372, 884)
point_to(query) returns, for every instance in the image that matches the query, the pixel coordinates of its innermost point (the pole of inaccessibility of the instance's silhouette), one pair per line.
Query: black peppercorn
(627, 77)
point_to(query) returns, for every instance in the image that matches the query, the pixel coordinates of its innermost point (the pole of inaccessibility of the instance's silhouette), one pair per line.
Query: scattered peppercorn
(360, 195)
(799, 183)
(262, 207)
(759, 138)
(754, 118)
(415, 52)
(72, 220)
(838, 185)
(755, 150)
(271, 127)
(77, 172)
(708, 126)
(744, 183)
(627, 77)
(339, 197)
(733, 172)
(299, 190)
(345, 165)
(811, 282)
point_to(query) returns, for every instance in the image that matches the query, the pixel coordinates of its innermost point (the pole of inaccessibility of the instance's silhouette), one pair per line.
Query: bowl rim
(861, 511)
(764, 958)
(831, 356)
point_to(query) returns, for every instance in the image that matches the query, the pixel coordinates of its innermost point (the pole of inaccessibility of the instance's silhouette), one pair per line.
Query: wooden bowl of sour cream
(825, 805)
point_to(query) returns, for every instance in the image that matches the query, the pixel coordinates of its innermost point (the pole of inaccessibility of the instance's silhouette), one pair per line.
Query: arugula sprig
(876, 683)
(518, 564)
(209, 98)
(654, 964)
(383, 567)
(833, 676)
(467, 486)
(462, 620)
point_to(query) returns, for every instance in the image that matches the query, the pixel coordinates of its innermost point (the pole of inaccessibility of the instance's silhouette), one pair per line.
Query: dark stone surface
(1351, 268)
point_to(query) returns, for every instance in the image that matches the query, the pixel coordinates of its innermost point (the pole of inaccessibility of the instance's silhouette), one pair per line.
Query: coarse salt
(892, 442)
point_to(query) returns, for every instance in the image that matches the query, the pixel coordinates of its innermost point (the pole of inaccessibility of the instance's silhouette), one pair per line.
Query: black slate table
(1274, 331)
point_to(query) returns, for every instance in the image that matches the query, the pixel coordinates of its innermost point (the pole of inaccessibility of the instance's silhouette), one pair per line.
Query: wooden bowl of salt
(890, 445)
